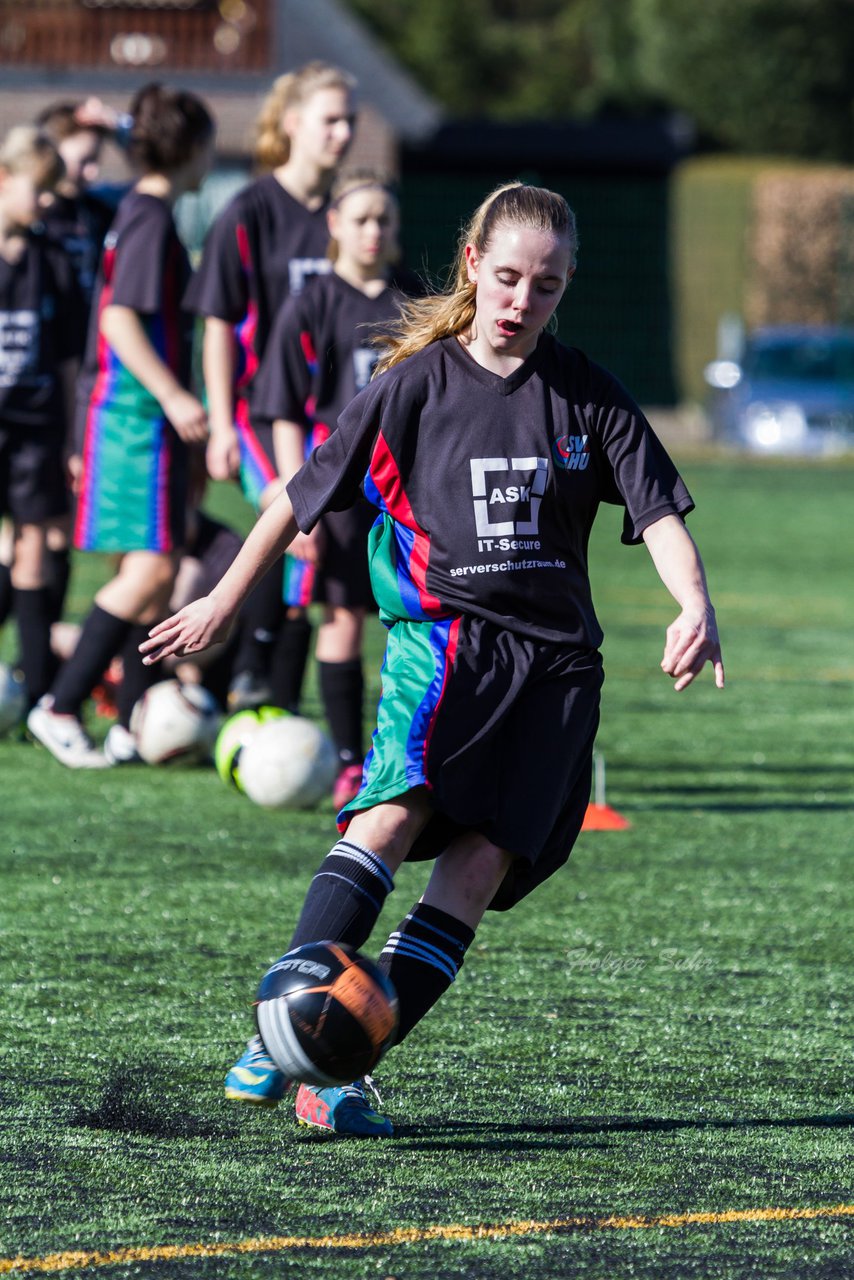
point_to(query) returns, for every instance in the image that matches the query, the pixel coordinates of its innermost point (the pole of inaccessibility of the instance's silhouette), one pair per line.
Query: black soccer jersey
(144, 267)
(488, 486)
(319, 355)
(261, 250)
(41, 322)
(79, 225)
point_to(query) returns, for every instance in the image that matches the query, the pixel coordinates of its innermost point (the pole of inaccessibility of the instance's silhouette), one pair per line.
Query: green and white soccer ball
(233, 736)
(289, 763)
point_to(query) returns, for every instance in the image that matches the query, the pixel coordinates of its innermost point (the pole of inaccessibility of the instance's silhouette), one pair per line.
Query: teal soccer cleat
(256, 1078)
(343, 1109)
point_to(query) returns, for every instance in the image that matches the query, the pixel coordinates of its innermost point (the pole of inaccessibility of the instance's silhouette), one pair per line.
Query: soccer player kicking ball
(487, 447)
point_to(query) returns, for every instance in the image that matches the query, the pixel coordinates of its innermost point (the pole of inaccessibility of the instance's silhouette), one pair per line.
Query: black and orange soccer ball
(325, 1013)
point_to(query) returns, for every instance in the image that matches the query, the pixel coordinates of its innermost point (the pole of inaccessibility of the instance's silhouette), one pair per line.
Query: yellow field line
(79, 1260)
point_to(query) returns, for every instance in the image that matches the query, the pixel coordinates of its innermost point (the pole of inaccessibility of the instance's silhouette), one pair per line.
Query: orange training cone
(599, 815)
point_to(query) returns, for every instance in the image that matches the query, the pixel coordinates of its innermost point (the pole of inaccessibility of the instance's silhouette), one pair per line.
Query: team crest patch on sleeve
(571, 453)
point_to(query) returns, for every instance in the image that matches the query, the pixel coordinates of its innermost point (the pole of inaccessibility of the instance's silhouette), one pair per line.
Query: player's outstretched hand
(195, 627)
(692, 641)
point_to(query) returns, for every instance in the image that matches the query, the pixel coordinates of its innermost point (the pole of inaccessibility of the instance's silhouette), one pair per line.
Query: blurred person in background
(319, 356)
(41, 323)
(136, 420)
(264, 246)
(78, 220)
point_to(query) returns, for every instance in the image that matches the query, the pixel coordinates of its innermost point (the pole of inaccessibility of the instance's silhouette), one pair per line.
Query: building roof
(67, 62)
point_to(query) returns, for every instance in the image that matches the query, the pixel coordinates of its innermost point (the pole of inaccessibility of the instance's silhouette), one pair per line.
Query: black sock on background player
(58, 573)
(342, 688)
(32, 613)
(136, 677)
(102, 637)
(5, 593)
(261, 619)
(290, 658)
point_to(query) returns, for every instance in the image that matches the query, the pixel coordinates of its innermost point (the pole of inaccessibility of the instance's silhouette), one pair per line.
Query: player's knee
(390, 829)
(28, 557)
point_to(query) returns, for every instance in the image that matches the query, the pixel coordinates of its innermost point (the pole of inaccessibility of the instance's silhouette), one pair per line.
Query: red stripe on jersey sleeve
(386, 476)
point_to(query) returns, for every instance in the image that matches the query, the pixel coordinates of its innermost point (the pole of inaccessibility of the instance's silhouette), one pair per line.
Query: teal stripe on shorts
(415, 671)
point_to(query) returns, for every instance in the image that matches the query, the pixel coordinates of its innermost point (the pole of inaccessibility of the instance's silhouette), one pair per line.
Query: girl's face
(81, 154)
(20, 194)
(321, 130)
(520, 279)
(364, 225)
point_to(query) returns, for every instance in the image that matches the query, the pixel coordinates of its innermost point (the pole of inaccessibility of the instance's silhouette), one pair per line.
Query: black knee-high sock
(422, 958)
(136, 678)
(58, 571)
(290, 657)
(342, 688)
(344, 898)
(100, 640)
(260, 619)
(5, 592)
(32, 612)
(217, 676)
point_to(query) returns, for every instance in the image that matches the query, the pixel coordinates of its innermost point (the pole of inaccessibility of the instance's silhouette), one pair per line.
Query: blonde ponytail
(442, 315)
(289, 91)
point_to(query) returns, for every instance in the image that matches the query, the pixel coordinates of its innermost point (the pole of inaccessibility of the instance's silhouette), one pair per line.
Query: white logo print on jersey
(302, 269)
(19, 347)
(364, 363)
(507, 493)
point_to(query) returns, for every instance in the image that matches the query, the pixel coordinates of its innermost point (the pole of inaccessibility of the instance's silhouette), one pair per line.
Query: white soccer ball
(13, 698)
(175, 721)
(288, 764)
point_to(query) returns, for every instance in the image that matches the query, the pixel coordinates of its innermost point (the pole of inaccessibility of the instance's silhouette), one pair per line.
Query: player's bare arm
(289, 448)
(123, 330)
(223, 455)
(692, 638)
(208, 621)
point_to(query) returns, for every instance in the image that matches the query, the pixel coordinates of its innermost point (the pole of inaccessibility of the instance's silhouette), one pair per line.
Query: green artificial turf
(661, 1030)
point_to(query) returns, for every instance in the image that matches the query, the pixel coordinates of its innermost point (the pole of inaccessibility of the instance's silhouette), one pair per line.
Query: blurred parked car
(791, 392)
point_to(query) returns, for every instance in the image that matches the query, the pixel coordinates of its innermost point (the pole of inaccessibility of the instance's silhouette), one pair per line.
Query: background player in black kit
(266, 243)
(136, 418)
(319, 356)
(487, 447)
(75, 215)
(78, 220)
(41, 323)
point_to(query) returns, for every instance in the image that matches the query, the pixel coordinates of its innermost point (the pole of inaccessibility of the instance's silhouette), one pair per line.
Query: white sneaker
(120, 746)
(64, 737)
